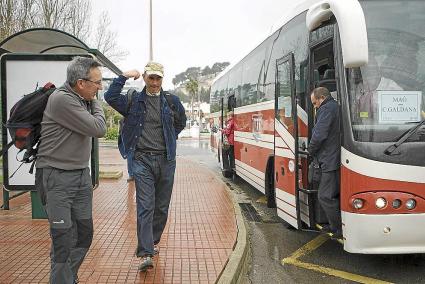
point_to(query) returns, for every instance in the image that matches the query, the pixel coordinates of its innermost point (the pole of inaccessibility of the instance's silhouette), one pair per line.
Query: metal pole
(150, 32)
(199, 111)
(5, 200)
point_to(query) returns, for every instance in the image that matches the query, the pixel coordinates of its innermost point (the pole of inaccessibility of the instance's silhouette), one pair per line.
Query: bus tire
(269, 184)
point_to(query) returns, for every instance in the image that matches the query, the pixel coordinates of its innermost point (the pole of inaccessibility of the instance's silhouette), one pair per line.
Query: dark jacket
(135, 117)
(325, 143)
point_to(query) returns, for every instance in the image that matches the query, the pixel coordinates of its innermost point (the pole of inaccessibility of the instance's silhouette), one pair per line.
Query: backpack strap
(130, 95)
(7, 147)
(169, 98)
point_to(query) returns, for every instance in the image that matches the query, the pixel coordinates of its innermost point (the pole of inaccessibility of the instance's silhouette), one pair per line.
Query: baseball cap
(154, 68)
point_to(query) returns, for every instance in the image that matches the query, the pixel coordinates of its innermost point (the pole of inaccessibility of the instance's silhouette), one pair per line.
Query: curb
(110, 174)
(237, 264)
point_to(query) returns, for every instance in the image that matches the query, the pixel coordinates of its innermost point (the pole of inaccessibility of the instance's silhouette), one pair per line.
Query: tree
(206, 71)
(182, 96)
(104, 39)
(205, 95)
(179, 78)
(218, 67)
(79, 15)
(72, 16)
(192, 88)
(53, 13)
(193, 72)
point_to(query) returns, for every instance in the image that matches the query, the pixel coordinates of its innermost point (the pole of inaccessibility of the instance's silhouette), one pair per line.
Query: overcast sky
(190, 33)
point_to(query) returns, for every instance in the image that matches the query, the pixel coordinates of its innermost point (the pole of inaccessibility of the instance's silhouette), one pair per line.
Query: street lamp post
(199, 110)
(150, 32)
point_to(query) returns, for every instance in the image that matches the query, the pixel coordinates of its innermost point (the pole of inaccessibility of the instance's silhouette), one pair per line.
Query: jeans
(130, 164)
(154, 178)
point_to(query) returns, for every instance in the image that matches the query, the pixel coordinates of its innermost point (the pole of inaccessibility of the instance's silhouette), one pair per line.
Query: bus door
(285, 143)
(321, 74)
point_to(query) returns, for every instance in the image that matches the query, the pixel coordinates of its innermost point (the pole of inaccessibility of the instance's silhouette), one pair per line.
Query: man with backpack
(71, 118)
(152, 121)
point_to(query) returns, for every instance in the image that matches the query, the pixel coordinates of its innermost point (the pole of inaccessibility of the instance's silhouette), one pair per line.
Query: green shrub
(112, 133)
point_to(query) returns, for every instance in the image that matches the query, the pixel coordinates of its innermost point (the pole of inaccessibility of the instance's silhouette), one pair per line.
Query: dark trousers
(154, 178)
(229, 158)
(67, 197)
(328, 194)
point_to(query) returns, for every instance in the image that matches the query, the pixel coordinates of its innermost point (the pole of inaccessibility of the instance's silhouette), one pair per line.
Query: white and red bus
(371, 56)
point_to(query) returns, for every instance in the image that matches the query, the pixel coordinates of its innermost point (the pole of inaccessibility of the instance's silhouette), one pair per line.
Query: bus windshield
(387, 97)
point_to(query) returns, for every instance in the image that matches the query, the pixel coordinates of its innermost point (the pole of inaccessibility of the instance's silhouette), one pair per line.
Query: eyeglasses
(99, 83)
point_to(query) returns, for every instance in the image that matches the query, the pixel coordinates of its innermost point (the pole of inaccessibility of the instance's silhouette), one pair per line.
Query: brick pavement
(197, 241)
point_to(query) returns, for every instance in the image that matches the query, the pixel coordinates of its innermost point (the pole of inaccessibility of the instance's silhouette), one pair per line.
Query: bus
(371, 56)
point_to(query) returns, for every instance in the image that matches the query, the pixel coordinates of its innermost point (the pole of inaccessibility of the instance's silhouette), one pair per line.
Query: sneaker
(155, 249)
(146, 264)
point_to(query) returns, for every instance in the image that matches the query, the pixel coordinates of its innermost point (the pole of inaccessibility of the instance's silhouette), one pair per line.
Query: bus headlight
(358, 203)
(396, 203)
(381, 202)
(410, 204)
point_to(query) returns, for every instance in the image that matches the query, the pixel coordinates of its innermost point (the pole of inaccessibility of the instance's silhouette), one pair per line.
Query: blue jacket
(134, 117)
(325, 143)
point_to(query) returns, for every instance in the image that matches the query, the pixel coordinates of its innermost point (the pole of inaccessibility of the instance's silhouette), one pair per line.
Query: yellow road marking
(334, 272)
(308, 247)
(262, 199)
(311, 246)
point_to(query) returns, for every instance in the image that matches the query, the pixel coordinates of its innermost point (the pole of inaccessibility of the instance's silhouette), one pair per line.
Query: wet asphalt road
(271, 241)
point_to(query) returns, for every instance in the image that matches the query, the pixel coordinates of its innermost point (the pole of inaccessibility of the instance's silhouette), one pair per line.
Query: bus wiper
(403, 138)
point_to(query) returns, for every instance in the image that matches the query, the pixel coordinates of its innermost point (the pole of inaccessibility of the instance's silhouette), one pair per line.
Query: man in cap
(151, 124)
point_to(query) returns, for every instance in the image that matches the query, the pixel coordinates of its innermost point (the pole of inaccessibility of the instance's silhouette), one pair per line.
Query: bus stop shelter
(28, 60)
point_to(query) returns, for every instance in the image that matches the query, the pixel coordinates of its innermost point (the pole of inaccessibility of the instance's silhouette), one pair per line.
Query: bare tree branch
(105, 39)
(72, 16)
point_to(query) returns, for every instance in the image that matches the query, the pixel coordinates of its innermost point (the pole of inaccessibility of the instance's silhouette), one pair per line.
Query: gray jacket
(67, 129)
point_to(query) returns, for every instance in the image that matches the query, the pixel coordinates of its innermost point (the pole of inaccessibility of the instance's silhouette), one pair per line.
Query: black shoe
(337, 235)
(326, 229)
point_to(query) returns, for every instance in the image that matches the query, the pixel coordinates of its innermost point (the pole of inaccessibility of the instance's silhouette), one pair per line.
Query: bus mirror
(351, 24)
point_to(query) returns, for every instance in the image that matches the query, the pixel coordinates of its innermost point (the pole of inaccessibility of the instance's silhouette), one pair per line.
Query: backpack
(24, 123)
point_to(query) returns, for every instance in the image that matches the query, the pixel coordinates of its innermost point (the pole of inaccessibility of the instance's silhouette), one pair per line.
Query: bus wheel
(288, 226)
(269, 186)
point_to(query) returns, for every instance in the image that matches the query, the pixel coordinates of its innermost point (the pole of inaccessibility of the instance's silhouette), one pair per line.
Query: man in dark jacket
(150, 128)
(325, 145)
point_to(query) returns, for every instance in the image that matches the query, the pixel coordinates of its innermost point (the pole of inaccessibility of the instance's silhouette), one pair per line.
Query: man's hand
(132, 74)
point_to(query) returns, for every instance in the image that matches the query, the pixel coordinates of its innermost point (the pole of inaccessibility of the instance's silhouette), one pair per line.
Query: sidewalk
(197, 241)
